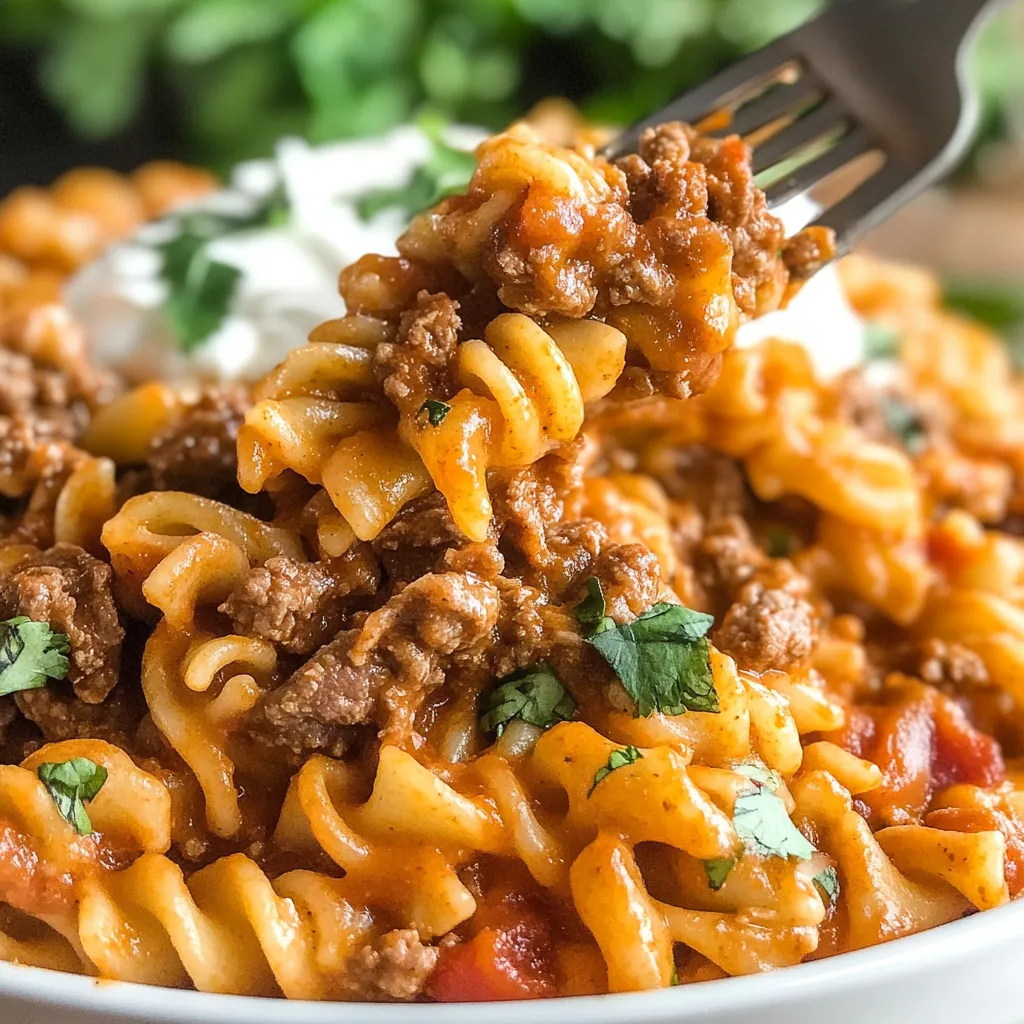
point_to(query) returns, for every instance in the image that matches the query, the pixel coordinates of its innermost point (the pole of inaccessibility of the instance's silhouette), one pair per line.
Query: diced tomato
(923, 742)
(27, 882)
(509, 954)
(962, 753)
(497, 963)
(857, 734)
(903, 750)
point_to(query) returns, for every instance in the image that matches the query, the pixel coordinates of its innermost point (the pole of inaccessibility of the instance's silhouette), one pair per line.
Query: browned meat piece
(38, 406)
(529, 509)
(531, 630)
(396, 966)
(318, 706)
(768, 628)
(630, 577)
(806, 253)
(27, 387)
(416, 539)
(197, 452)
(382, 672)
(724, 560)
(481, 559)
(71, 590)
(759, 276)
(710, 481)
(61, 715)
(861, 402)
(47, 390)
(417, 365)
(983, 487)
(947, 665)
(300, 605)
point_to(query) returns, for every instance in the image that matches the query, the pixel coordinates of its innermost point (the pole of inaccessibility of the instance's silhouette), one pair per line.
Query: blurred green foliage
(243, 72)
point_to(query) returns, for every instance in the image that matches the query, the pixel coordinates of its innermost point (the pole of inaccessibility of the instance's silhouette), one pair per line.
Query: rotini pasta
(516, 636)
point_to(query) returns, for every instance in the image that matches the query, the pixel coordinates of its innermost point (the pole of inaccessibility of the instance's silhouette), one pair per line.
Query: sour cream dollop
(821, 319)
(289, 270)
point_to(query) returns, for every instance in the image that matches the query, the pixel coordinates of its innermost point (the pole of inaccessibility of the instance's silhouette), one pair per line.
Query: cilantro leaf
(828, 882)
(761, 821)
(616, 759)
(661, 658)
(592, 609)
(533, 694)
(72, 784)
(880, 341)
(31, 654)
(997, 305)
(674, 979)
(717, 869)
(760, 774)
(445, 172)
(436, 411)
(200, 289)
(779, 542)
(904, 423)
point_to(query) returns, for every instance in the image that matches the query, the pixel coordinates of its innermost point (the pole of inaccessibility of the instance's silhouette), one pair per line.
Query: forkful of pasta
(849, 116)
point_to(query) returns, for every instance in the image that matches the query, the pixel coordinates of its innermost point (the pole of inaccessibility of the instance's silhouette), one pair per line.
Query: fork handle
(947, 22)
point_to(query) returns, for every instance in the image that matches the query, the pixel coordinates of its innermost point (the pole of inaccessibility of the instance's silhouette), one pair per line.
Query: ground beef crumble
(396, 966)
(301, 605)
(72, 591)
(417, 365)
(196, 452)
(763, 616)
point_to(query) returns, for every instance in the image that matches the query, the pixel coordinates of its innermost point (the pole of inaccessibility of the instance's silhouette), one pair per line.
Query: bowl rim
(932, 950)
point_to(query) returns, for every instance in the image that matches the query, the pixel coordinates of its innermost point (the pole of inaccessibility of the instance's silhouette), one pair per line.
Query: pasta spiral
(524, 389)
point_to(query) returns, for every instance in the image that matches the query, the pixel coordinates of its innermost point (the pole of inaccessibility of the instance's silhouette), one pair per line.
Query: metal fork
(850, 115)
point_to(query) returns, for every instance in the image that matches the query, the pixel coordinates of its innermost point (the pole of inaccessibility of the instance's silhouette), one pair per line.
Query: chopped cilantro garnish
(904, 423)
(828, 882)
(779, 542)
(616, 759)
(533, 694)
(762, 824)
(674, 979)
(436, 411)
(72, 784)
(880, 341)
(31, 654)
(447, 171)
(661, 658)
(717, 869)
(591, 610)
(761, 821)
(200, 289)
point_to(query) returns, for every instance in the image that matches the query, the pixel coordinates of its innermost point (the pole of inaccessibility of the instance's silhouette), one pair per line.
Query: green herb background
(240, 73)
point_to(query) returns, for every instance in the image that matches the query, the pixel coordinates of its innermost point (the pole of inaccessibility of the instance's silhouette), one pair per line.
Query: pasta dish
(517, 634)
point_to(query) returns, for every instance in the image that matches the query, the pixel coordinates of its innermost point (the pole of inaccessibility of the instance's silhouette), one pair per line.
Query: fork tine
(804, 131)
(776, 103)
(868, 205)
(848, 148)
(725, 88)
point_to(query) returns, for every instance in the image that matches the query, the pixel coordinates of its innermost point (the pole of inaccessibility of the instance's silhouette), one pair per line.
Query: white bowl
(965, 972)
